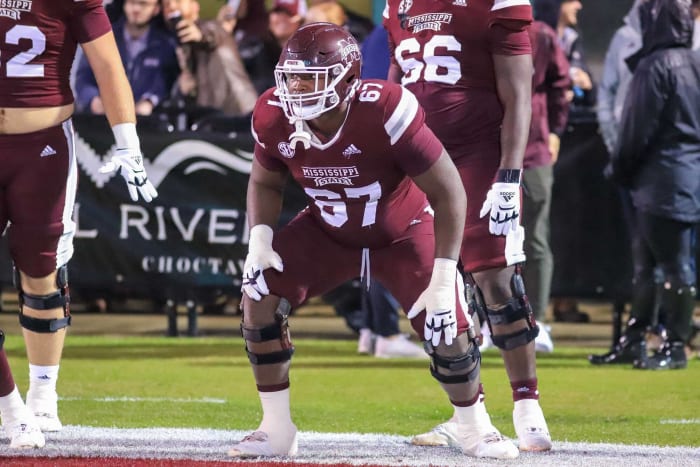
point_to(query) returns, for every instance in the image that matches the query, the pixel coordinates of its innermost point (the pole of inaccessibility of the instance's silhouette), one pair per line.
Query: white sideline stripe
(332, 448)
(682, 421)
(203, 400)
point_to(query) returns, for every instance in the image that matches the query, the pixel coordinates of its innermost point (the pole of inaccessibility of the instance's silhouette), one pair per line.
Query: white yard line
(334, 448)
(202, 400)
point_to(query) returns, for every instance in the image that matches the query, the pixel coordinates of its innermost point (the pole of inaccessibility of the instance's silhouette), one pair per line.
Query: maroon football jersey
(38, 39)
(444, 48)
(357, 182)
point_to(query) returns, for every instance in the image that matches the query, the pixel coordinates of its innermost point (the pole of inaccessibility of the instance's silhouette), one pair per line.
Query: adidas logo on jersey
(351, 150)
(48, 151)
(460, 2)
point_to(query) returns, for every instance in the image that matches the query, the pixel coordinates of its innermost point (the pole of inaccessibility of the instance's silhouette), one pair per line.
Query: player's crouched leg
(268, 345)
(457, 367)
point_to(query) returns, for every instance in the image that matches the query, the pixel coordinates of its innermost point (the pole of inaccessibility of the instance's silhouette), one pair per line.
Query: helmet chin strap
(299, 135)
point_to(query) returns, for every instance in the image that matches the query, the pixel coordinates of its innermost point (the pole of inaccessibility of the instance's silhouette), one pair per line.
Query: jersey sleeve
(415, 146)
(260, 127)
(508, 24)
(387, 23)
(88, 20)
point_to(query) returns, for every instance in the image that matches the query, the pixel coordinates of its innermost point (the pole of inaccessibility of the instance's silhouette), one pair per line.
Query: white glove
(128, 161)
(503, 202)
(439, 301)
(260, 257)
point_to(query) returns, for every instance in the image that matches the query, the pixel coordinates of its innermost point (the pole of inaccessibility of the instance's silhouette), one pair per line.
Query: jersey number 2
(18, 66)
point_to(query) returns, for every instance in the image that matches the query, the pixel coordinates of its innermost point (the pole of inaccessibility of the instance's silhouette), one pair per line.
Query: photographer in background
(211, 71)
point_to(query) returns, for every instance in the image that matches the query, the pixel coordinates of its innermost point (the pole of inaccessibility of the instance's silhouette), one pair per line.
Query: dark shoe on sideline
(626, 352)
(670, 357)
(571, 315)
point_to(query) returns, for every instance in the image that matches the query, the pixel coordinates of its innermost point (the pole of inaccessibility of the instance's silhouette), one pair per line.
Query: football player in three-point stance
(385, 201)
(38, 41)
(469, 64)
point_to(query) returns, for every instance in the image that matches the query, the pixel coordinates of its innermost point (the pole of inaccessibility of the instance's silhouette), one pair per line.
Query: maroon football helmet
(330, 56)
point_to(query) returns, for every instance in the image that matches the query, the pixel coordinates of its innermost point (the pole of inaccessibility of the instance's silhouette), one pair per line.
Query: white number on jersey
(336, 213)
(19, 66)
(431, 61)
(370, 92)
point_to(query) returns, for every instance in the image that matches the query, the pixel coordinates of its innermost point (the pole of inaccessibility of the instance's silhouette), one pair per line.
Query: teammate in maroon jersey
(369, 165)
(469, 64)
(38, 40)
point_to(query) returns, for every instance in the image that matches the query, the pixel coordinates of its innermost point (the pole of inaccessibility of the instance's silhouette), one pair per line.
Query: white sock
(42, 379)
(473, 415)
(12, 407)
(276, 412)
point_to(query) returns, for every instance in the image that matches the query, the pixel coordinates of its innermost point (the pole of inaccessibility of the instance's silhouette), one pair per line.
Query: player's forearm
(514, 133)
(264, 204)
(115, 91)
(449, 227)
(514, 85)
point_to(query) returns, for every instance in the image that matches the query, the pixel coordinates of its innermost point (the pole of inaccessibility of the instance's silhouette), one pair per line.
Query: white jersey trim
(501, 4)
(255, 133)
(403, 116)
(64, 249)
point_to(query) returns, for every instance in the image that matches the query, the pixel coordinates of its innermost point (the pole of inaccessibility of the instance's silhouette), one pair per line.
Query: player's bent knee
(59, 299)
(456, 363)
(270, 343)
(516, 309)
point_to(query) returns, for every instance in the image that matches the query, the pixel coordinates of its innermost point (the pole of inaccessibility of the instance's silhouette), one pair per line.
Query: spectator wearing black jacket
(657, 158)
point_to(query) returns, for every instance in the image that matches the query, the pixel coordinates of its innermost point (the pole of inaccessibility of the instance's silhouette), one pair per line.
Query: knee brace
(278, 331)
(59, 299)
(516, 308)
(458, 363)
(474, 298)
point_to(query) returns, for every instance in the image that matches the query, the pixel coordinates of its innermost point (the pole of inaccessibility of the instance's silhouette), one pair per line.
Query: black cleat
(670, 357)
(626, 352)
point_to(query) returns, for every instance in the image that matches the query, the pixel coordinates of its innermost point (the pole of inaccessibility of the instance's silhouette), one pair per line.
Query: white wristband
(444, 271)
(260, 237)
(125, 135)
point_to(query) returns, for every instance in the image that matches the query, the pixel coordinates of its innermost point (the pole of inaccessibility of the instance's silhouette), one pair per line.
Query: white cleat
(45, 409)
(259, 444)
(530, 426)
(48, 422)
(25, 434)
(486, 341)
(444, 434)
(397, 346)
(365, 343)
(479, 438)
(543, 341)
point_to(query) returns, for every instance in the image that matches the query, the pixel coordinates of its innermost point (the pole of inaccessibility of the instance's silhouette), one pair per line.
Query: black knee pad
(516, 308)
(458, 367)
(58, 299)
(278, 331)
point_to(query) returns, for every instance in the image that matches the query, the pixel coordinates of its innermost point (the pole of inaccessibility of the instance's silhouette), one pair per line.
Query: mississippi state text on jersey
(38, 39)
(357, 182)
(444, 49)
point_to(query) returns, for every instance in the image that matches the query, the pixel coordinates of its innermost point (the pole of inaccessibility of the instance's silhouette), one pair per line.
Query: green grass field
(161, 382)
